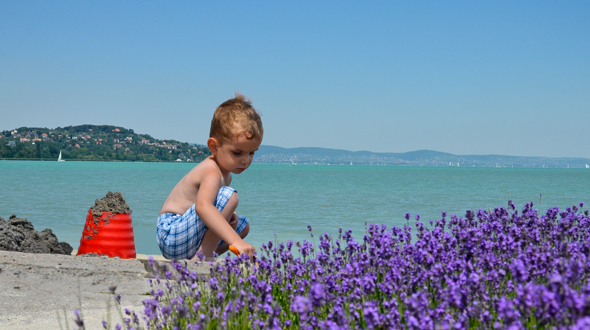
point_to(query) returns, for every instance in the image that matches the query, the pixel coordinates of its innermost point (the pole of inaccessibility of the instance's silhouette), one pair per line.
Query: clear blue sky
(471, 77)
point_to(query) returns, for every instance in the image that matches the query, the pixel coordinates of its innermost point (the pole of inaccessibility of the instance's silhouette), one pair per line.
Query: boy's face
(236, 156)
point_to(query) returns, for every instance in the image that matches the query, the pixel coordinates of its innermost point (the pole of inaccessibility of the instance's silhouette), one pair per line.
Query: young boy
(198, 215)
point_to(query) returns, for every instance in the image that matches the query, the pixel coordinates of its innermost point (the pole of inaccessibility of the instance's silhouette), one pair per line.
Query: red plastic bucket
(108, 234)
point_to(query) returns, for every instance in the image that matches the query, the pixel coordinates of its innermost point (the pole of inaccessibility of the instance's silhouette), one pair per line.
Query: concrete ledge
(36, 286)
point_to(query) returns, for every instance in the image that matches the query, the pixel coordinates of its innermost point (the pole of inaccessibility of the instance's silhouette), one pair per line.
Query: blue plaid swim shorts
(180, 235)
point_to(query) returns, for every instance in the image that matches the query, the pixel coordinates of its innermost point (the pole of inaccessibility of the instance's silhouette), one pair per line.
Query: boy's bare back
(184, 194)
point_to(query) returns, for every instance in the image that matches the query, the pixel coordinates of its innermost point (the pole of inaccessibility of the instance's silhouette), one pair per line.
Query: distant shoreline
(299, 164)
(107, 143)
(94, 160)
(430, 158)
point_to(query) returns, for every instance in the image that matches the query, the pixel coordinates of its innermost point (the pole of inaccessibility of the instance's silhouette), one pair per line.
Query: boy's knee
(245, 231)
(233, 201)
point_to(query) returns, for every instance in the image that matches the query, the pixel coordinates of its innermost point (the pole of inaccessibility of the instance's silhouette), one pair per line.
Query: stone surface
(36, 287)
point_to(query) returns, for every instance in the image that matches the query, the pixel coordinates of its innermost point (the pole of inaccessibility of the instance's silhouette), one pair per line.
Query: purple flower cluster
(491, 269)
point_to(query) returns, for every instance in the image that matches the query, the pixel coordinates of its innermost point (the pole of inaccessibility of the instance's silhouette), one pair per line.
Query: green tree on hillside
(95, 142)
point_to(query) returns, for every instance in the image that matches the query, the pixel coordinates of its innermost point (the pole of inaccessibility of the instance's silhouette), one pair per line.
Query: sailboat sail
(59, 158)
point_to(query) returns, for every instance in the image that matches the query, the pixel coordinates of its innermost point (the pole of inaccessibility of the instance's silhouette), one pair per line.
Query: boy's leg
(179, 235)
(210, 239)
(223, 247)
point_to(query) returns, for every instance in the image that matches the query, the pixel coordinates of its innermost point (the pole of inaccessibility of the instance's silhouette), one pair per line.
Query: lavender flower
(78, 320)
(301, 305)
(493, 268)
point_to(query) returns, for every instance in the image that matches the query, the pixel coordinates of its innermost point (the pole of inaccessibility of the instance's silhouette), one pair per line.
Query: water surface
(280, 200)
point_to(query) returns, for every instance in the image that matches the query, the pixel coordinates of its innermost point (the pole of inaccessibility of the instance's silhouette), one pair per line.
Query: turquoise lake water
(280, 199)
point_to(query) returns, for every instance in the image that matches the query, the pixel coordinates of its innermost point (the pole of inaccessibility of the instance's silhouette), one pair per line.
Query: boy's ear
(212, 144)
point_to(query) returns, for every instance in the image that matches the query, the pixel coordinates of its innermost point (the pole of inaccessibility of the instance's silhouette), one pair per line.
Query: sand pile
(18, 234)
(112, 203)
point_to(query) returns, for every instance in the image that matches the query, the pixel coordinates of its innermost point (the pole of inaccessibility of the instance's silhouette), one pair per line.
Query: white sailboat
(59, 158)
(587, 166)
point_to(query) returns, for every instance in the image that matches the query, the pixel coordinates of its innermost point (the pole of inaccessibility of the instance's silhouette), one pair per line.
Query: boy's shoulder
(206, 168)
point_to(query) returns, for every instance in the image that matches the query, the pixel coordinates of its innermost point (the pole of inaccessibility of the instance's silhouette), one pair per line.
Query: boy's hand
(234, 221)
(244, 248)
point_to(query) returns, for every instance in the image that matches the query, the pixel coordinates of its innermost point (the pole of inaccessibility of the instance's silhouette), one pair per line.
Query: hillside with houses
(115, 143)
(94, 143)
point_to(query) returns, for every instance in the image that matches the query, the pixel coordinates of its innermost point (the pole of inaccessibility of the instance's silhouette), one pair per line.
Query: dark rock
(7, 241)
(64, 248)
(18, 234)
(20, 222)
(32, 246)
(10, 239)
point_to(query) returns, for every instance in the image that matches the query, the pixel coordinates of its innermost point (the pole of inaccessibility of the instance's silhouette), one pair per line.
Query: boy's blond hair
(234, 117)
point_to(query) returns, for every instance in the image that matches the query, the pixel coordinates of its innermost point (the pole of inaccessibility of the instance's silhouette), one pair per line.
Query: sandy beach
(35, 287)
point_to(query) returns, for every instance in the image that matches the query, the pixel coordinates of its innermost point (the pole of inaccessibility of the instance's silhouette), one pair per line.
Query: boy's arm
(206, 210)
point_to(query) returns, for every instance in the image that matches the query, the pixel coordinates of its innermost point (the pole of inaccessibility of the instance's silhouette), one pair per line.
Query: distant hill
(94, 143)
(116, 143)
(279, 155)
